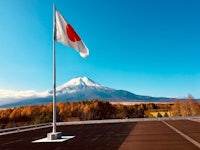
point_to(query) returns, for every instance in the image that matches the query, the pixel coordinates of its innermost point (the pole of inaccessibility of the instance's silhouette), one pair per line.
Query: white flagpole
(54, 136)
(54, 73)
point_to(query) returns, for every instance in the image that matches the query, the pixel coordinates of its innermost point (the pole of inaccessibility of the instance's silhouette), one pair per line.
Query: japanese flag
(65, 34)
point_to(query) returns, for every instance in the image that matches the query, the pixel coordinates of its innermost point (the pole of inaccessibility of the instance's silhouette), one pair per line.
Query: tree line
(66, 111)
(89, 110)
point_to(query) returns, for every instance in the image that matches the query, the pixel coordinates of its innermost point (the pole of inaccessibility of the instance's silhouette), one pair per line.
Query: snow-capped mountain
(77, 85)
(80, 88)
(83, 88)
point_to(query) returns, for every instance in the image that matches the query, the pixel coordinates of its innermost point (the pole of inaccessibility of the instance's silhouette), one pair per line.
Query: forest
(90, 110)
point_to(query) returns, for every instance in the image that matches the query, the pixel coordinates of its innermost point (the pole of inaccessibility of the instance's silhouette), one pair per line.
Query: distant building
(156, 113)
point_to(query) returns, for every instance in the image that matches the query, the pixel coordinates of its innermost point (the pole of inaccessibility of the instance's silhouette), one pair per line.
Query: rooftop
(113, 135)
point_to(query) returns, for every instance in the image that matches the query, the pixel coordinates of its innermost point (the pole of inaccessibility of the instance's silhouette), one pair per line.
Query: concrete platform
(144, 135)
(46, 140)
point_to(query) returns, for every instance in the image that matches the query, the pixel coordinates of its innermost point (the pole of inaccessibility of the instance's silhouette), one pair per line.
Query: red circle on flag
(72, 35)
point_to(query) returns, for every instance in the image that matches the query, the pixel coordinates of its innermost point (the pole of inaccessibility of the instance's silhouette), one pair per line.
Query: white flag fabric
(65, 34)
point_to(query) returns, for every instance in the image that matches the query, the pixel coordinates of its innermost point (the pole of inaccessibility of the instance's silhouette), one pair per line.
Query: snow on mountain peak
(77, 84)
(82, 81)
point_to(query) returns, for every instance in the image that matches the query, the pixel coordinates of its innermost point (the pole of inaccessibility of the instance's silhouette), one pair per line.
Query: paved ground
(144, 135)
(157, 136)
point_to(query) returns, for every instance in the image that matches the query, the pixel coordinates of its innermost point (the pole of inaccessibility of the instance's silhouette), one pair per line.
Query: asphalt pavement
(141, 135)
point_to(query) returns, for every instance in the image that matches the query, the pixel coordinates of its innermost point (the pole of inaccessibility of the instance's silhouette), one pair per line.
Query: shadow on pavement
(87, 137)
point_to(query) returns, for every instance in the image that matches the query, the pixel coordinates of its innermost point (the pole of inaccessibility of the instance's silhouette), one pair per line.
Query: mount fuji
(81, 88)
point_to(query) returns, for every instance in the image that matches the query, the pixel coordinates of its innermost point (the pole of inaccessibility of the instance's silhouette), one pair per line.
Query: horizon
(147, 48)
(11, 96)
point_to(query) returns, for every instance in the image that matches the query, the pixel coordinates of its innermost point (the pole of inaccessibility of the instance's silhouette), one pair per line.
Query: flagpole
(54, 74)
(54, 135)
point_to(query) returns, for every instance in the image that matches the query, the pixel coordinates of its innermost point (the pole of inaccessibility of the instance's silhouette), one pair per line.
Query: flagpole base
(54, 136)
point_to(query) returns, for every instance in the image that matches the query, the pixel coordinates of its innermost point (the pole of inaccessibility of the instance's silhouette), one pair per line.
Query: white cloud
(8, 96)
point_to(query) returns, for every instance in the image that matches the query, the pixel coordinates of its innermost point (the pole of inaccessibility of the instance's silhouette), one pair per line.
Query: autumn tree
(176, 108)
(188, 107)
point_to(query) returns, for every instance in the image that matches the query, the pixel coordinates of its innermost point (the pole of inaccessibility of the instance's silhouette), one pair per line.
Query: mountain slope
(83, 88)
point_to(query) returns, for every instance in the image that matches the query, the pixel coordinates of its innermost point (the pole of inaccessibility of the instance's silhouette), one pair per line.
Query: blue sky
(146, 47)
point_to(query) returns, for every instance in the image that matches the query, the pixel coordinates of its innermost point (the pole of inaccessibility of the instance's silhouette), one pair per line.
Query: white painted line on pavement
(11, 142)
(183, 135)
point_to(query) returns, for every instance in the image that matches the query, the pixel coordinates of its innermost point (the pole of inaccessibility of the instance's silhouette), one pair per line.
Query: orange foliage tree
(188, 107)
